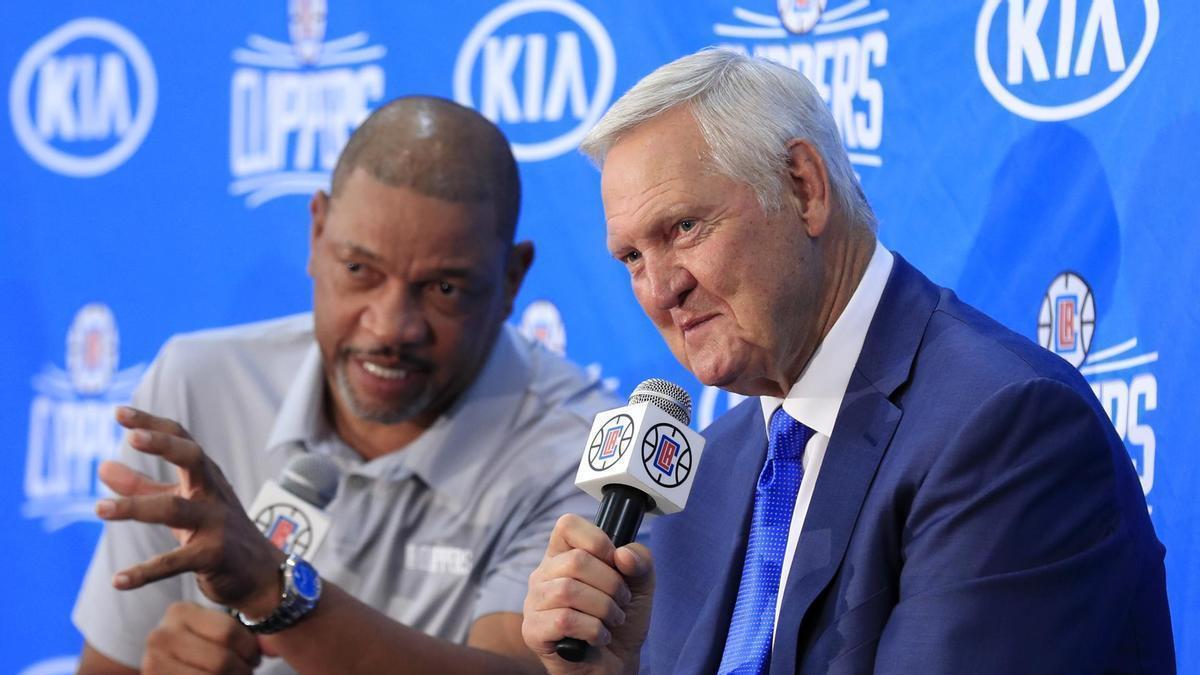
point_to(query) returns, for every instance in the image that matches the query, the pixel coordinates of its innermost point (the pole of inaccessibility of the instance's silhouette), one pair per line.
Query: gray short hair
(747, 110)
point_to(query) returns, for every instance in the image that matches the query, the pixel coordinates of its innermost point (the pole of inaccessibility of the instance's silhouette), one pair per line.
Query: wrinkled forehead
(668, 147)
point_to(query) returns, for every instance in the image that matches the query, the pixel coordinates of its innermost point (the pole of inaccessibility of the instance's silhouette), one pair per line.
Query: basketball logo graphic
(287, 527)
(800, 16)
(1067, 320)
(609, 444)
(667, 455)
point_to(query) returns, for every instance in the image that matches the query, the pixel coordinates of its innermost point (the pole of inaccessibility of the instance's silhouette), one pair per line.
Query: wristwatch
(301, 591)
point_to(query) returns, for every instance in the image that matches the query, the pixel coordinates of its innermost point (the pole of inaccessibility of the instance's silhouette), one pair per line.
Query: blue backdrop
(1039, 156)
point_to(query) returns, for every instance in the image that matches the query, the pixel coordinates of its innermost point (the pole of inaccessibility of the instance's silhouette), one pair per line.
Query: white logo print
(71, 424)
(841, 66)
(294, 106)
(542, 323)
(83, 100)
(554, 81)
(1029, 48)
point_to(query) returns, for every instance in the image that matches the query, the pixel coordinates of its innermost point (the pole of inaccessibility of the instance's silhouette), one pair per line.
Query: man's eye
(631, 257)
(354, 267)
(687, 225)
(444, 288)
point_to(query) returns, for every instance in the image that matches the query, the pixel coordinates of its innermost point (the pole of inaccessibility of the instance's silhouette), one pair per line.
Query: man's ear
(520, 258)
(318, 209)
(809, 183)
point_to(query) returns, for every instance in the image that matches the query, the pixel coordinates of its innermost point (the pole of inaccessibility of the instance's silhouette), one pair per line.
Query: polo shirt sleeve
(504, 585)
(115, 622)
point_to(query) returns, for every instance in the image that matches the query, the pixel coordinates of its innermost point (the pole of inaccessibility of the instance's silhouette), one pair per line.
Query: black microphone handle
(620, 516)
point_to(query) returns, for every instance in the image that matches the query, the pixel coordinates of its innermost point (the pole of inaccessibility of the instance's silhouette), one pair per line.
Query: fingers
(217, 627)
(191, 638)
(162, 509)
(128, 482)
(573, 532)
(133, 418)
(575, 591)
(181, 451)
(636, 565)
(160, 567)
(585, 569)
(569, 593)
(542, 631)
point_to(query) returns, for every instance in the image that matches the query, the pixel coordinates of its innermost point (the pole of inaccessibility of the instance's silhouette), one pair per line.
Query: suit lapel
(865, 425)
(721, 529)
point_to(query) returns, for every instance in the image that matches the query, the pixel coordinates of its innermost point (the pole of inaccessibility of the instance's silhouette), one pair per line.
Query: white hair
(747, 110)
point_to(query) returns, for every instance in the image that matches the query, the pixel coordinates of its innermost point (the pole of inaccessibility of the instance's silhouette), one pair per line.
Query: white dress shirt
(816, 397)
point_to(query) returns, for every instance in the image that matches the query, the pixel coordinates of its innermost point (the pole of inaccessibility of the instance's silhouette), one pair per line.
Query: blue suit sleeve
(1023, 547)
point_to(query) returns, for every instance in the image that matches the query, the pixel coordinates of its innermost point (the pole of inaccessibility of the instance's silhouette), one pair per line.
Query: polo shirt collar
(450, 456)
(301, 418)
(816, 397)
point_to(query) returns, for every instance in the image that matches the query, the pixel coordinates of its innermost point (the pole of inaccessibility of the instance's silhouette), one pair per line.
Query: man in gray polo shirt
(456, 437)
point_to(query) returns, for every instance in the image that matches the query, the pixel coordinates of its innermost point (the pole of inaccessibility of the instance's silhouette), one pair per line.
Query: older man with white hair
(913, 488)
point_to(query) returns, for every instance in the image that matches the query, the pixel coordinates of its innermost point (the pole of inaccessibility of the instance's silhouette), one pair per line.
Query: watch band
(301, 591)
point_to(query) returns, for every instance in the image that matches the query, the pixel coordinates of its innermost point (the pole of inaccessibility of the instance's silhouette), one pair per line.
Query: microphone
(640, 457)
(291, 512)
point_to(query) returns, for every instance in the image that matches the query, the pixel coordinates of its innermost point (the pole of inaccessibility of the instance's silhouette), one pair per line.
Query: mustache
(397, 356)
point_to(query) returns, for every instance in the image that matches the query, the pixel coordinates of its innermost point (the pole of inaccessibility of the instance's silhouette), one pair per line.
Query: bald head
(440, 149)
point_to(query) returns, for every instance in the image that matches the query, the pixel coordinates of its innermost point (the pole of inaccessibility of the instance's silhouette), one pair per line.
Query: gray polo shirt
(435, 535)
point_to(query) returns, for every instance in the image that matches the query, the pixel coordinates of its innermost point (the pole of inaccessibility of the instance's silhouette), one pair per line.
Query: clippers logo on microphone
(610, 442)
(286, 527)
(667, 455)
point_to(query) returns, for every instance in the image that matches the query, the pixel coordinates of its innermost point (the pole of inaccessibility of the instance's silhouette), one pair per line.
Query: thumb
(636, 564)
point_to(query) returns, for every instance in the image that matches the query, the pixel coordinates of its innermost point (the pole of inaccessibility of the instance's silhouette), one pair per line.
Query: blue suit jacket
(975, 513)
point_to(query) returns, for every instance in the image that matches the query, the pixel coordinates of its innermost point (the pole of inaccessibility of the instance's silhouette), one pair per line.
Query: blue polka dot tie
(748, 645)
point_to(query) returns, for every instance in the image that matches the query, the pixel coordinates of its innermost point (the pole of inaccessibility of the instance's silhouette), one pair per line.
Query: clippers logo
(1067, 320)
(664, 457)
(667, 455)
(281, 532)
(610, 443)
(839, 47)
(71, 424)
(286, 527)
(83, 97)
(1053, 60)
(1067, 330)
(542, 323)
(1123, 382)
(294, 106)
(800, 16)
(543, 70)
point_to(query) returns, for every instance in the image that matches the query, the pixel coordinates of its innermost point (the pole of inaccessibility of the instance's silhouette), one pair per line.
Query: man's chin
(386, 414)
(372, 409)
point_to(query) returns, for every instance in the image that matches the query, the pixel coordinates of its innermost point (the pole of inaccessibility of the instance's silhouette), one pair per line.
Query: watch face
(305, 580)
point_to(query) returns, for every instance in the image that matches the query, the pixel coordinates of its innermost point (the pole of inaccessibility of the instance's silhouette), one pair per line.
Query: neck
(372, 440)
(845, 255)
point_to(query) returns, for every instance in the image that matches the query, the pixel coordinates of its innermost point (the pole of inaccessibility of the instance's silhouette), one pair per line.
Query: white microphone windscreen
(668, 396)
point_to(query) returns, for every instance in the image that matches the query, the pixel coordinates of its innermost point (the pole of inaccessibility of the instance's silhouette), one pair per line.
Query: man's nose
(395, 317)
(670, 283)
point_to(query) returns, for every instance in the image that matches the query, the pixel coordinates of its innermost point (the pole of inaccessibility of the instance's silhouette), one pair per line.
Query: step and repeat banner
(1038, 156)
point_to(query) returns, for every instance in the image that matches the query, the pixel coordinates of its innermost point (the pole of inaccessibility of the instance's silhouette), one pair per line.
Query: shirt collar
(450, 448)
(816, 397)
(301, 418)
(454, 449)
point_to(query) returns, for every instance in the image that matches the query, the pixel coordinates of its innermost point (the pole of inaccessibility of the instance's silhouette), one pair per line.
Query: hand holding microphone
(590, 586)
